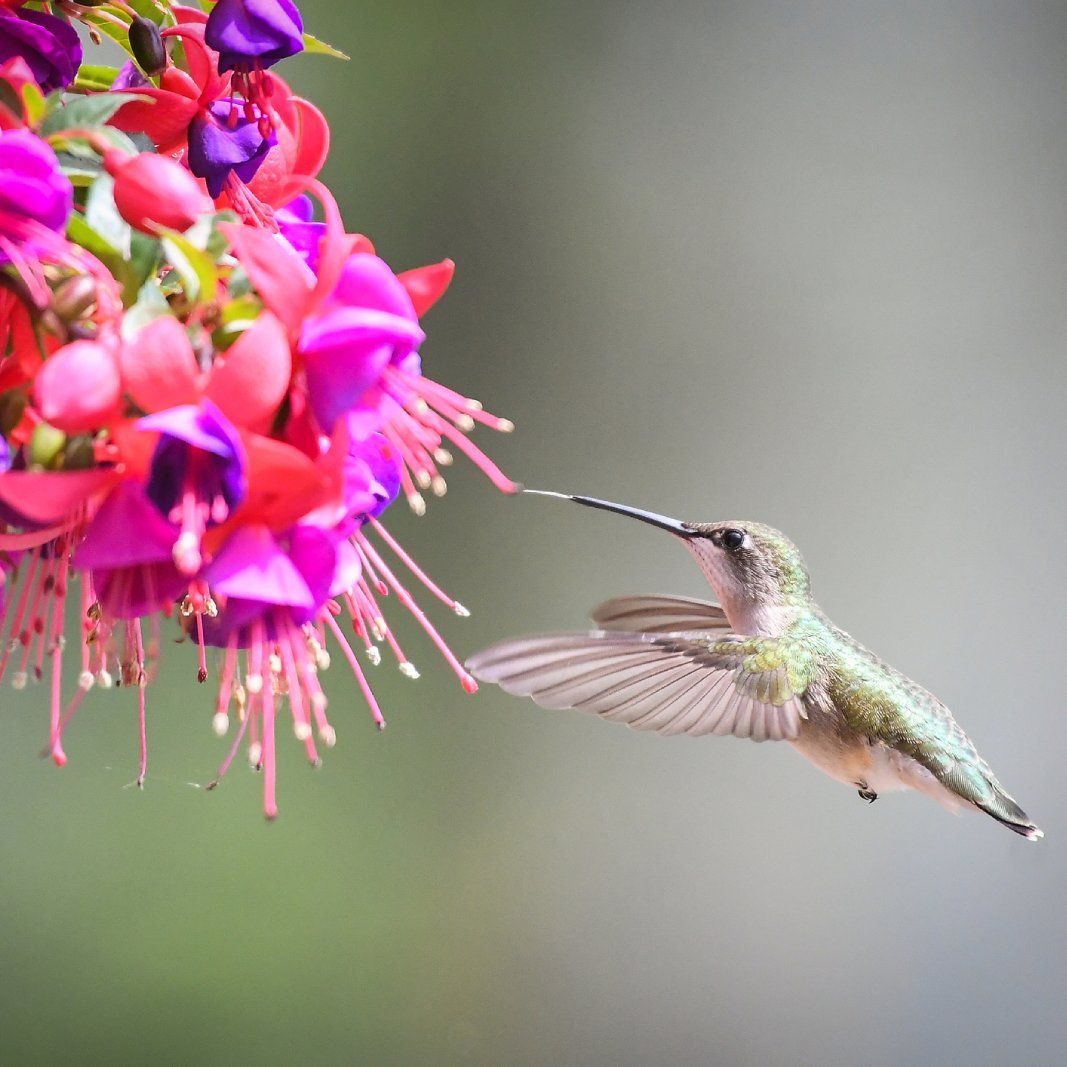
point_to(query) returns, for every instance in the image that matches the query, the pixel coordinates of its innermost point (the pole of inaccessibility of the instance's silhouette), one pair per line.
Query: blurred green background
(803, 263)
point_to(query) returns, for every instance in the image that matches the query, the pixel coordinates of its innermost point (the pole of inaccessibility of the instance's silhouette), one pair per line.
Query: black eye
(733, 539)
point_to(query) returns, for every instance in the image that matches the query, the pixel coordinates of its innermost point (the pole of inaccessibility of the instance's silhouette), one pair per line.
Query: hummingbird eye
(732, 539)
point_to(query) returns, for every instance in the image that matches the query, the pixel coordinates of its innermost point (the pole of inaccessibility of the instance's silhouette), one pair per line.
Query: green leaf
(103, 217)
(95, 78)
(34, 103)
(81, 233)
(148, 9)
(314, 47)
(195, 268)
(149, 306)
(87, 111)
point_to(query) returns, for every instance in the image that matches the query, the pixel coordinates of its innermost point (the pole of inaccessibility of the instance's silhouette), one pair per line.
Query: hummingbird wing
(659, 614)
(678, 683)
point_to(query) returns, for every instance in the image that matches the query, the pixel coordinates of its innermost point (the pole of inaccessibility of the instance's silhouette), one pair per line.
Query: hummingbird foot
(866, 793)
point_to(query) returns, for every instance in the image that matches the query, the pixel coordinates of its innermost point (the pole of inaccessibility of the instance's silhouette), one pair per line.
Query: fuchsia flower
(207, 432)
(252, 35)
(35, 197)
(78, 389)
(153, 191)
(225, 141)
(49, 46)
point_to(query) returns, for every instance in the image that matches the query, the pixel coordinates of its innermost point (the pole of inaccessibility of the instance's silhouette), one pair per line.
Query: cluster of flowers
(207, 397)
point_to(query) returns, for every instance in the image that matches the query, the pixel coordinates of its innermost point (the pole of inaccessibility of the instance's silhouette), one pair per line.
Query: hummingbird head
(749, 563)
(757, 573)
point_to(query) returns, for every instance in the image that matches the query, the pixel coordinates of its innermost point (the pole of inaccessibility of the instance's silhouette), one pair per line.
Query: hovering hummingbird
(766, 664)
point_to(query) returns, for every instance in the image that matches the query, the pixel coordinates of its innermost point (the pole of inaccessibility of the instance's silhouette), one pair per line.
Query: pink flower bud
(78, 388)
(153, 191)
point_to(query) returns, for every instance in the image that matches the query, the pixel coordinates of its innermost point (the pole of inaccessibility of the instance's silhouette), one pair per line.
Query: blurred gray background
(803, 263)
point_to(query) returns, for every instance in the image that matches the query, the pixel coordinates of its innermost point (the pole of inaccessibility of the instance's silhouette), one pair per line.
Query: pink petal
(250, 380)
(426, 285)
(48, 497)
(278, 274)
(78, 388)
(159, 368)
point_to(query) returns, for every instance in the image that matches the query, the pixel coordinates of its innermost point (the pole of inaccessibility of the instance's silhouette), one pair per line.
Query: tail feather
(1007, 812)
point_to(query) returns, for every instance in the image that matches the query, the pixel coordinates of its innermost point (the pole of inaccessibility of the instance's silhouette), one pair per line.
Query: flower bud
(74, 297)
(78, 388)
(46, 443)
(147, 46)
(153, 192)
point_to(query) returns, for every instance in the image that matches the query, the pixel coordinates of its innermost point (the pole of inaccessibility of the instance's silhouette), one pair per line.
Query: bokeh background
(804, 263)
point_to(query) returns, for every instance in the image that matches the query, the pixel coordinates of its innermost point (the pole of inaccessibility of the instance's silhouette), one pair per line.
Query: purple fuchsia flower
(197, 474)
(223, 140)
(252, 35)
(49, 46)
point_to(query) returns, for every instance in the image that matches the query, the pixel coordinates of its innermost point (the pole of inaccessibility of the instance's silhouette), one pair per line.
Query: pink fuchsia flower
(368, 323)
(78, 389)
(49, 46)
(417, 416)
(36, 198)
(198, 471)
(154, 192)
(303, 141)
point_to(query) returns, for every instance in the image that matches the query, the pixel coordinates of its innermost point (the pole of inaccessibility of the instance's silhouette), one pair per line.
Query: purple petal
(49, 45)
(217, 149)
(254, 33)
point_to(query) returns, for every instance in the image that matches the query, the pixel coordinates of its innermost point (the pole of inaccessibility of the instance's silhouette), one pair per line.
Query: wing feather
(657, 614)
(691, 682)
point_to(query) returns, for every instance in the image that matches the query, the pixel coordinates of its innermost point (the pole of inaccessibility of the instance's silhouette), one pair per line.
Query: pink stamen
(408, 601)
(141, 717)
(412, 566)
(357, 670)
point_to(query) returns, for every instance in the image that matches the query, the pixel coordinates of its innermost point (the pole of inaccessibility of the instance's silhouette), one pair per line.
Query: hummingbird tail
(1004, 809)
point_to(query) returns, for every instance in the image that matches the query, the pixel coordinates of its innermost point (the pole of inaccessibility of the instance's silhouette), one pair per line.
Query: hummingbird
(763, 663)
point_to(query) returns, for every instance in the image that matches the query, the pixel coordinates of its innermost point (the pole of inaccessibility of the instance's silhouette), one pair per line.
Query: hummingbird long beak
(675, 526)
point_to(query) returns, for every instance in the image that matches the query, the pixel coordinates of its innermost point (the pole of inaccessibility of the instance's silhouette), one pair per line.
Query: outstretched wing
(679, 683)
(659, 615)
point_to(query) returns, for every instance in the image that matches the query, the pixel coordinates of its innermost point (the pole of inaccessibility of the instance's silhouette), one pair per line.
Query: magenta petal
(368, 281)
(127, 529)
(252, 566)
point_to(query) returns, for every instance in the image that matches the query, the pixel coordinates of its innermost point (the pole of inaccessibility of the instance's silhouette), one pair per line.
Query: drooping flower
(222, 141)
(78, 388)
(197, 474)
(153, 191)
(36, 198)
(368, 323)
(49, 46)
(252, 35)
